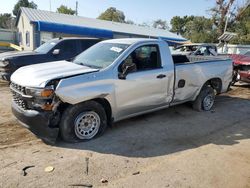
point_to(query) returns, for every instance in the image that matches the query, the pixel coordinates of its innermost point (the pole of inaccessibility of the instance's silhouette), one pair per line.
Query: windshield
(46, 47)
(100, 55)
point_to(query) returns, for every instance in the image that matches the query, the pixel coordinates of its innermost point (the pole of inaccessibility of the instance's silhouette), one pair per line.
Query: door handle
(160, 76)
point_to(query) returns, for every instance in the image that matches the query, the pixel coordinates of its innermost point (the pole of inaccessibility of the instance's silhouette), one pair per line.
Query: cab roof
(130, 40)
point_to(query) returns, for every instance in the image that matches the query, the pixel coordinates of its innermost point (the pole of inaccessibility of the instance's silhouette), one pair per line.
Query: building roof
(43, 18)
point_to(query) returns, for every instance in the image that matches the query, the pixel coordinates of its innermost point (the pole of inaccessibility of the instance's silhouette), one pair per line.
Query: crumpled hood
(40, 74)
(10, 55)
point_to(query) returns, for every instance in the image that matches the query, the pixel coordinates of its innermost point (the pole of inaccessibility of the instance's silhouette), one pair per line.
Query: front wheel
(205, 100)
(83, 122)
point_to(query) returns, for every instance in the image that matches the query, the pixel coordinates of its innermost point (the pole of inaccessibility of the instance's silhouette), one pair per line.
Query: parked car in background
(54, 50)
(241, 63)
(196, 49)
(241, 67)
(111, 81)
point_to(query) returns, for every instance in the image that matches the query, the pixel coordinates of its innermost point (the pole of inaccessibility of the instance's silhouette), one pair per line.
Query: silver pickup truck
(111, 81)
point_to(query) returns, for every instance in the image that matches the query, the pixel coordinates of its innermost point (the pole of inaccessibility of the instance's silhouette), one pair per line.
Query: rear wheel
(205, 100)
(83, 122)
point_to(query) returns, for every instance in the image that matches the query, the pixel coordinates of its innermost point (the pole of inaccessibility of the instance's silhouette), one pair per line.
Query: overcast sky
(138, 11)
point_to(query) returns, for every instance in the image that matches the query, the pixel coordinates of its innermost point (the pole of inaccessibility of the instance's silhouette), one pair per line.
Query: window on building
(20, 38)
(27, 38)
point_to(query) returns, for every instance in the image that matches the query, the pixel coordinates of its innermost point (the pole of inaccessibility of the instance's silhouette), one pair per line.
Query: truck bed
(184, 59)
(198, 70)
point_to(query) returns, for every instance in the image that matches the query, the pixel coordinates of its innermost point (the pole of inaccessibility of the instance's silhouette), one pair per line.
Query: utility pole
(76, 8)
(228, 16)
(50, 5)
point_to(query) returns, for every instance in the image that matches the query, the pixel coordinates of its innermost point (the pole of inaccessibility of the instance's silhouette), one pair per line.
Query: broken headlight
(42, 97)
(46, 92)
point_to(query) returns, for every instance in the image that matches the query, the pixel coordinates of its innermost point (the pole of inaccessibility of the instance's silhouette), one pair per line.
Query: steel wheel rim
(87, 125)
(208, 102)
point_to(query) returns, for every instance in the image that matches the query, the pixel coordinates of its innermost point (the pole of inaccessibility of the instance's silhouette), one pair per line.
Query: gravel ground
(176, 147)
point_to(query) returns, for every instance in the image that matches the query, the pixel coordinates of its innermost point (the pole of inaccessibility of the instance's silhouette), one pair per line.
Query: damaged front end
(243, 72)
(241, 68)
(36, 109)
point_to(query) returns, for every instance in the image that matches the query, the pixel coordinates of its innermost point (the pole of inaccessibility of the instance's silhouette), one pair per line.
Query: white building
(234, 49)
(37, 26)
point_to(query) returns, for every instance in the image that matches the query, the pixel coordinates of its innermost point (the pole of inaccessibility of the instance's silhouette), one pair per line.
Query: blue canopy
(88, 31)
(72, 29)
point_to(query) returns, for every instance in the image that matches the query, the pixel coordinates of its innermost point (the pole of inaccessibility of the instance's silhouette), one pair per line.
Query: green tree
(65, 10)
(160, 24)
(222, 10)
(195, 28)
(241, 26)
(200, 29)
(23, 3)
(112, 14)
(5, 21)
(178, 24)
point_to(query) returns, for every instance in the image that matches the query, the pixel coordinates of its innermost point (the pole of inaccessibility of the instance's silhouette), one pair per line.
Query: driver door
(145, 87)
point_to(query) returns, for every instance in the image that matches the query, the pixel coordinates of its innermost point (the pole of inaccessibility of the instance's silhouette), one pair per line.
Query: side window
(145, 58)
(203, 51)
(207, 51)
(85, 44)
(212, 50)
(67, 46)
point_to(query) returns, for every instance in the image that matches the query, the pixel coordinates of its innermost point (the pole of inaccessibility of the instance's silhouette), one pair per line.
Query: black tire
(68, 127)
(200, 104)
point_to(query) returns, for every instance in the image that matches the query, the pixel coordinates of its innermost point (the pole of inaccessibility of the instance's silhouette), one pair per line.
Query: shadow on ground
(174, 129)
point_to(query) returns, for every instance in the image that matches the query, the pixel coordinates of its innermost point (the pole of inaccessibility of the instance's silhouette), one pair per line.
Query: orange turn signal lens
(47, 92)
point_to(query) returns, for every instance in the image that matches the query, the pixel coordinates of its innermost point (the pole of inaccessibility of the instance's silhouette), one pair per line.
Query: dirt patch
(10, 130)
(4, 83)
(175, 147)
(240, 90)
(12, 133)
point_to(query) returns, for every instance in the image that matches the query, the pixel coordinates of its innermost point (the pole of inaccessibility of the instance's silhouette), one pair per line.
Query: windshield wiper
(87, 65)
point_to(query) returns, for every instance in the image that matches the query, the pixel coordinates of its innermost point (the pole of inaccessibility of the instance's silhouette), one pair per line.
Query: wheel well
(107, 107)
(62, 107)
(215, 83)
(102, 101)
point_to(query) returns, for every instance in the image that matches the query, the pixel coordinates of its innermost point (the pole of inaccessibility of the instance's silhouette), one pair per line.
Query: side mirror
(126, 69)
(56, 52)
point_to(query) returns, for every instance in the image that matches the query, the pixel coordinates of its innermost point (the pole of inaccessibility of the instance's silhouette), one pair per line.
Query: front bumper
(244, 76)
(37, 122)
